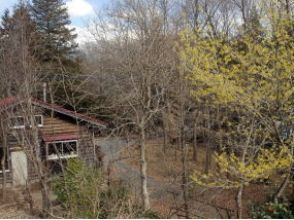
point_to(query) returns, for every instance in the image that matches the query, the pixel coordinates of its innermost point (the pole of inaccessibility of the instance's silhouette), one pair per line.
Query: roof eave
(70, 115)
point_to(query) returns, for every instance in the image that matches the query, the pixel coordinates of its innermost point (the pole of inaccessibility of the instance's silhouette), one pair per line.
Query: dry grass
(13, 206)
(166, 163)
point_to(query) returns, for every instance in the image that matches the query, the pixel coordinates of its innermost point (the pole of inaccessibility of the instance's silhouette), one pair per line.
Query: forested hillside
(197, 96)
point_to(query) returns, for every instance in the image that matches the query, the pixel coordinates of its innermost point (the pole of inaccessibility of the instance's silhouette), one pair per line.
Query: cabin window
(39, 120)
(5, 158)
(19, 121)
(62, 150)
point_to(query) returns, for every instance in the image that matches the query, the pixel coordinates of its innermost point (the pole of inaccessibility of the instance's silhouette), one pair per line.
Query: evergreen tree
(16, 46)
(55, 47)
(23, 23)
(18, 27)
(5, 23)
(56, 39)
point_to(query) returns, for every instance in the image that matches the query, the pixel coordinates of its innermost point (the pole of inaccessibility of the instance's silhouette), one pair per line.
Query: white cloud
(84, 35)
(79, 8)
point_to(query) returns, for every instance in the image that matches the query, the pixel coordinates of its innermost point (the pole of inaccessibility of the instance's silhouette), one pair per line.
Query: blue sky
(80, 12)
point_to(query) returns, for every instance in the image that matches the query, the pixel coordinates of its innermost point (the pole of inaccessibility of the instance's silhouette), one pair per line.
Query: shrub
(275, 210)
(83, 193)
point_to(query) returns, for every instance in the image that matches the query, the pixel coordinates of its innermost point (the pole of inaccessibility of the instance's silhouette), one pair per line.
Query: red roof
(70, 113)
(60, 137)
(7, 102)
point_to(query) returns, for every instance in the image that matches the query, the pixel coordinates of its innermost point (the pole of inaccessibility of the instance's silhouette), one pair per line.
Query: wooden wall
(54, 126)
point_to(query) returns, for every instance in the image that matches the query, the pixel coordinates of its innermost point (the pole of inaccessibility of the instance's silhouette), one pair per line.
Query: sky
(80, 12)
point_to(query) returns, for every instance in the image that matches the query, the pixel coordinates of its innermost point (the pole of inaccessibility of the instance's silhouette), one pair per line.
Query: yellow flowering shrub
(233, 172)
(243, 70)
(249, 73)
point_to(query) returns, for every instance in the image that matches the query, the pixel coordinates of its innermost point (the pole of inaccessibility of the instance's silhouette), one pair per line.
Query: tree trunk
(284, 184)
(208, 153)
(35, 155)
(4, 179)
(28, 197)
(184, 174)
(144, 189)
(207, 158)
(165, 136)
(4, 172)
(195, 156)
(239, 202)
(287, 7)
(51, 98)
(46, 205)
(4, 158)
(108, 172)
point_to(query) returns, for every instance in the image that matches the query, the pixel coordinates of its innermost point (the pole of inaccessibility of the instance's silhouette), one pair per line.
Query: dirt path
(157, 188)
(112, 149)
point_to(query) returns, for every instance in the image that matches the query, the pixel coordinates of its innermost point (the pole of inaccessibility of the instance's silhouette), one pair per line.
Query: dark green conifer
(56, 38)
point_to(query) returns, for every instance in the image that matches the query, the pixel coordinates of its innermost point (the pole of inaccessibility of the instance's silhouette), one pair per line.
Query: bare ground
(12, 211)
(15, 205)
(12, 205)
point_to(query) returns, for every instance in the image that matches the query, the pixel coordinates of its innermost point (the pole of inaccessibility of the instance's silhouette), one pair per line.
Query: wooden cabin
(34, 132)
